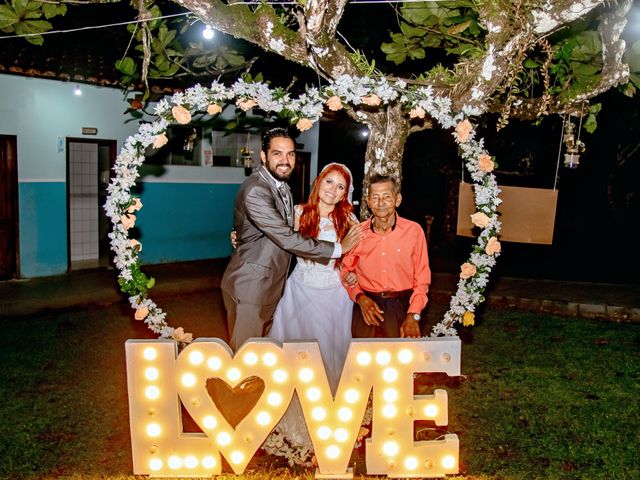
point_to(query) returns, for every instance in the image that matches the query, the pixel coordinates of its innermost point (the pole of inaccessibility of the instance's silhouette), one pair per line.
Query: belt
(390, 294)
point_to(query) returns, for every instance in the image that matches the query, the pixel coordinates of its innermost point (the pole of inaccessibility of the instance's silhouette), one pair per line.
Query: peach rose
(417, 112)
(304, 124)
(141, 313)
(467, 270)
(180, 336)
(214, 109)
(468, 319)
(463, 129)
(128, 221)
(246, 104)
(135, 206)
(181, 114)
(479, 219)
(160, 140)
(334, 103)
(485, 163)
(372, 100)
(135, 244)
(493, 246)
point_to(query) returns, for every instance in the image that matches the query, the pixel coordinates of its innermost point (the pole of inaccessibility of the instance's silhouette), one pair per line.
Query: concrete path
(99, 287)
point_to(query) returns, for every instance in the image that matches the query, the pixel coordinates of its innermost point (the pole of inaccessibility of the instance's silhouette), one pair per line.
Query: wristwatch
(416, 316)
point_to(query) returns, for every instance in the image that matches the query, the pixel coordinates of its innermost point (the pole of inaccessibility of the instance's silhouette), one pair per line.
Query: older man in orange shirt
(391, 265)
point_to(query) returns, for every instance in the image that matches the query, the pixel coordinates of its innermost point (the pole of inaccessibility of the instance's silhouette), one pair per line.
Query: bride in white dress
(315, 305)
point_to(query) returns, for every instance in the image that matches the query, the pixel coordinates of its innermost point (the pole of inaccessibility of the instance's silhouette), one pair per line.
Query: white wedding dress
(316, 306)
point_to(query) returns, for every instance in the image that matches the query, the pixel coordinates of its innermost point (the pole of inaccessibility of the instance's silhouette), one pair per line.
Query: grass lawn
(541, 397)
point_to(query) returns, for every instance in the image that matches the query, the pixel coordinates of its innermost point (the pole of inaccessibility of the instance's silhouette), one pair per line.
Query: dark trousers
(395, 312)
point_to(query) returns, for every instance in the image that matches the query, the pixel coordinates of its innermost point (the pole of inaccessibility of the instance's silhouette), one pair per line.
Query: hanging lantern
(246, 157)
(573, 144)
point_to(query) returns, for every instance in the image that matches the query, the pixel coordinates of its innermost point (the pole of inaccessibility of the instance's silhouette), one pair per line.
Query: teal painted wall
(43, 228)
(180, 221)
(42, 114)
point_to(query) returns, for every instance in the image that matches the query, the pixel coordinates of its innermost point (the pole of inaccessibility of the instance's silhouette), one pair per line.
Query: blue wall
(43, 228)
(182, 221)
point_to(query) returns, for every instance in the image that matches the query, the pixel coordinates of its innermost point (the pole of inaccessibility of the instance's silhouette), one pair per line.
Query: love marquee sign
(160, 380)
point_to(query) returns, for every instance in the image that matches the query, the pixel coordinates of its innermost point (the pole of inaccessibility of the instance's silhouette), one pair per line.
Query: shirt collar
(266, 172)
(393, 227)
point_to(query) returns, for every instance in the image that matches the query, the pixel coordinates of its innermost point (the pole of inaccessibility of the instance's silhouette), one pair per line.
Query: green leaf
(20, 6)
(391, 48)
(8, 16)
(35, 39)
(591, 123)
(530, 63)
(417, 53)
(432, 41)
(156, 13)
(32, 6)
(32, 14)
(595, 108)
(166, 36)
(33, 26)
(51, 10)
(410, 31)
(397, 57)
(589, 45)
(126, 66)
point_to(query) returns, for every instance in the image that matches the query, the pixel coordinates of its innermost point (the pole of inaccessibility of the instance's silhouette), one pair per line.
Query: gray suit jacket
(259, 265)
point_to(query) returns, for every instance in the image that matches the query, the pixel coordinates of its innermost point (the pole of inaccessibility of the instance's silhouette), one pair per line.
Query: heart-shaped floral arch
(121, 205)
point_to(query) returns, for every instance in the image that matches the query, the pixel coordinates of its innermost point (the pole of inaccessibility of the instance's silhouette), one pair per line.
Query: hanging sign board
(527, 214)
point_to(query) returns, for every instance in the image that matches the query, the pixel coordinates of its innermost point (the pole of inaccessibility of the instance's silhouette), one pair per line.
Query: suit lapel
(279, 201)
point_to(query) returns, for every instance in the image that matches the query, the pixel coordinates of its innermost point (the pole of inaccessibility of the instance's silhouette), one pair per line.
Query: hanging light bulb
(207, 32)
(76, 91)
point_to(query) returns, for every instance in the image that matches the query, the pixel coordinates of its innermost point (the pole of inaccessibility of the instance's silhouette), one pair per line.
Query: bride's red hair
(342, 213)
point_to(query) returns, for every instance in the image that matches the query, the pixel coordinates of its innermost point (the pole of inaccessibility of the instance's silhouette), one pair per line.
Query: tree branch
(262, 27)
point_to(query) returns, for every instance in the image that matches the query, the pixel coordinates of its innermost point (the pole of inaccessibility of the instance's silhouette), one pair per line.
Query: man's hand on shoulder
(371, 312)
(351, 239)
(410, 328)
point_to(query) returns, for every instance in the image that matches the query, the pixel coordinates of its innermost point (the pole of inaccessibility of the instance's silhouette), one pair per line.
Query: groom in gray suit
(263, 220)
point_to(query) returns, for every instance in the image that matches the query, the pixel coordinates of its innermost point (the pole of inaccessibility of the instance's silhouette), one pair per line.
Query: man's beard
(283, 177)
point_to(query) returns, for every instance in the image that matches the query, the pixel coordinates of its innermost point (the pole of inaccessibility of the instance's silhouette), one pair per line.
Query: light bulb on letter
(305, 374)
(196, 357)
(152, 392)
(363, 358)
(431, 411)
(390, 449)
(188, 379)
(448, 461)
(153, 429)
(251, 358)
(149, 353)
(214, 363)
(274, 399)
(383, 357)
(351, 395)
(319, 413)
(209, 422)
(174, 462)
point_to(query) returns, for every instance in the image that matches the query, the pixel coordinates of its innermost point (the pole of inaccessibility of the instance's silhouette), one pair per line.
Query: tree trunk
(388, 131)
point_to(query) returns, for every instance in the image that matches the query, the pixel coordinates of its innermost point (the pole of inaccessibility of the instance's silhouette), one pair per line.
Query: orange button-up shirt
(394, 261)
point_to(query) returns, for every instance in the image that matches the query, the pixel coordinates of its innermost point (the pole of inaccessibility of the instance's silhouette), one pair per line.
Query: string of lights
(95, 27)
